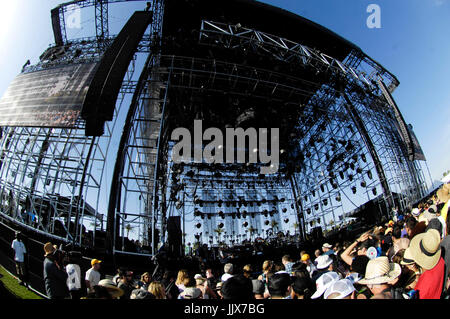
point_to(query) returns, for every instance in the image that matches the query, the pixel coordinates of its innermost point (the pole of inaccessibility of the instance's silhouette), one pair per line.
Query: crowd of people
(406, 258)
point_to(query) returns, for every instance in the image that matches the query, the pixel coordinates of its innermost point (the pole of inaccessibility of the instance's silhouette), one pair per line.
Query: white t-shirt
(19, 249)
(74, 276)
(93, 276)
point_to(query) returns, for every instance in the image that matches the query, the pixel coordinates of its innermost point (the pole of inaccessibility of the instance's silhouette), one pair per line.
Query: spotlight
(198, 225)
(284, 210)
(363, 184)
(374, 191)
(286, 220)
(308, 211)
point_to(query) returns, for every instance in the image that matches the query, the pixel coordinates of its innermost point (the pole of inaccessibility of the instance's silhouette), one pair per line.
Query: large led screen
(47, 98)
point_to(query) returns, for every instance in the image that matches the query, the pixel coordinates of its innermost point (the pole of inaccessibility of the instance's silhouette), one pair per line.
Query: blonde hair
(157, 289)
(267, 265)
(145, 274)
(182, 276)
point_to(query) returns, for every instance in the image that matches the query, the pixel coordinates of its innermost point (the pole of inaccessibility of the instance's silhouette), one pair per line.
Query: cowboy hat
(380, 271)
(444, 193)
(113, 290)
(49, 249)
(425, 248)
(408, 259)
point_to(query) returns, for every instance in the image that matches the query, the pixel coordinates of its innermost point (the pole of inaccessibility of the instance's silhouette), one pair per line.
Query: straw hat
(444, 193)
(379, 271)
(49, 249)
(408, 259)
(400, 244)
(425, 248)
(113, 290)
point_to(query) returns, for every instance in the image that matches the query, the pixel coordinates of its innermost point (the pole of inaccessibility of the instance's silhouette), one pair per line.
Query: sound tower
(174, 236)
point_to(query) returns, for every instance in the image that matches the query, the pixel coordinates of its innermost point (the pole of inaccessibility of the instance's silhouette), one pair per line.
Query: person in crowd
(126, 283)
(317, 253)
(323, 282)
(142, 294)
(312, 269)
(302, 288)
(237, 288)
(280, 286)
(74, 278)
(99, 292)
(327, 249)
(212, 280)
(202, 284)
(20, 252)
(410, 271)
(258, 288)
(410, 224)
(218, 290)
(228, 272)
(111, 288)
(157, 290)
(380, 276)
(55, 276)
(445, 251)
(287, 262)
(426, 252)
(324, 264)
(247, 271)
(182, 278)
(190, 290)
(358, 248)
(145, 281)
(168, 281)
(341, 289)
(93, 275)
(266, 268)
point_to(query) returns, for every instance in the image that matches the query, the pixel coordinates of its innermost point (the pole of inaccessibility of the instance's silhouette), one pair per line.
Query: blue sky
(413, 43)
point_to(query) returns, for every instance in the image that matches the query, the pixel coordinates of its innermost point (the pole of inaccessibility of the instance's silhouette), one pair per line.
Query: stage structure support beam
(368, 142)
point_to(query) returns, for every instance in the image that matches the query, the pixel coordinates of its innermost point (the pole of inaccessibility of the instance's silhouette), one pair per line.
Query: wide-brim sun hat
(113, 290)
(49, 249)
(425, 248)
(380, 271)
(408, 258)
